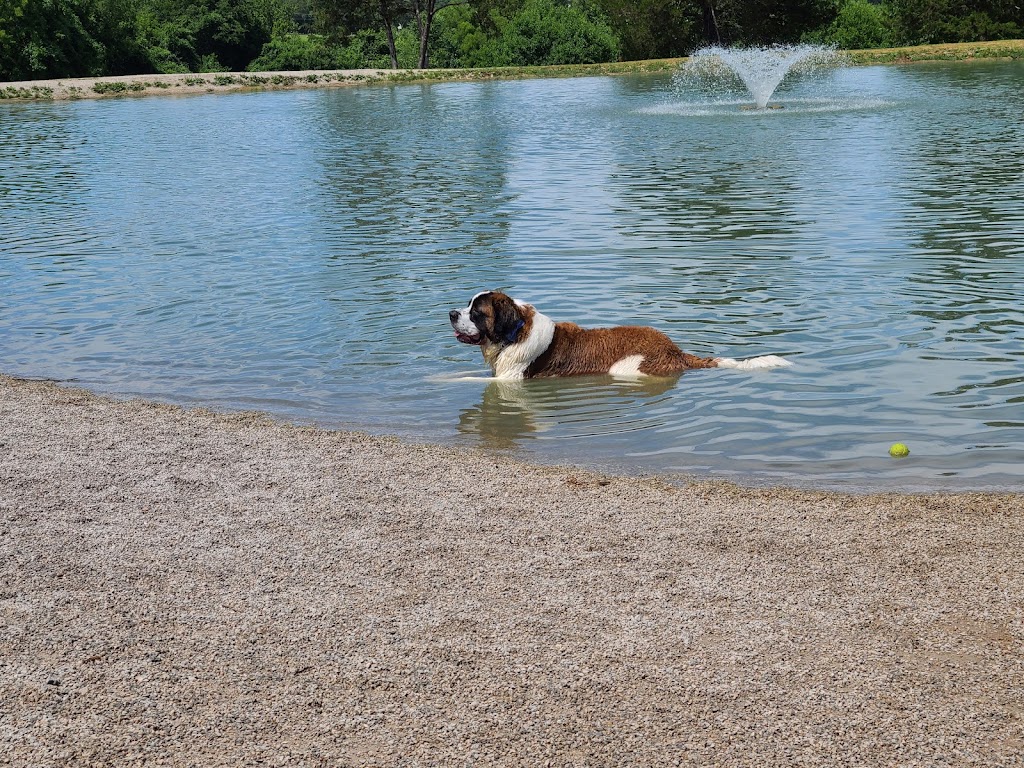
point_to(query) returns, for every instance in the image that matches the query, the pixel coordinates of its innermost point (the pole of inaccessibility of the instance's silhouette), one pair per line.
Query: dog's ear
(508, 320)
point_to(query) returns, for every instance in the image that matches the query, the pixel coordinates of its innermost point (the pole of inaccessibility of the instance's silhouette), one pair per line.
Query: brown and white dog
(518, 342)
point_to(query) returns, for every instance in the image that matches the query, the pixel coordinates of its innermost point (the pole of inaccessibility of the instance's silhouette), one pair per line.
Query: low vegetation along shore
(190, 83)
(179, 587)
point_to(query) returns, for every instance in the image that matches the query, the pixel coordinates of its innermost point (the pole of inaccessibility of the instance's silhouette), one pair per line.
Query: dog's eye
(475, 315)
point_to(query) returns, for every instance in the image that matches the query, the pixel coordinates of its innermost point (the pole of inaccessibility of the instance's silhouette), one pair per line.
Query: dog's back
(622, 350)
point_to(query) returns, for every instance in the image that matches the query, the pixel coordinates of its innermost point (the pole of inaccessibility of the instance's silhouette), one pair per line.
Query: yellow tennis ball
(899, 450)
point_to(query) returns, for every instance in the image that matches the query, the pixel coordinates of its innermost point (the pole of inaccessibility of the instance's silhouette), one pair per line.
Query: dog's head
(491, 317)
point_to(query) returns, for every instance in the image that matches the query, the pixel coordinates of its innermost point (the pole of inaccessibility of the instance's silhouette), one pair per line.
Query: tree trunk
(711, 32)
(423, 22)
(388, 27)
(424, 38)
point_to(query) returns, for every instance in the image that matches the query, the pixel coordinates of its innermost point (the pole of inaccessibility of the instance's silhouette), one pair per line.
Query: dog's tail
(754, 363)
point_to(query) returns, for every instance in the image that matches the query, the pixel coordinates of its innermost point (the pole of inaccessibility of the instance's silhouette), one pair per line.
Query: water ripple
(298, 252)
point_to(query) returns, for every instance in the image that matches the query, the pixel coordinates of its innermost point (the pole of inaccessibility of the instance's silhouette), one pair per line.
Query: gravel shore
(183, 588)
(189, 83)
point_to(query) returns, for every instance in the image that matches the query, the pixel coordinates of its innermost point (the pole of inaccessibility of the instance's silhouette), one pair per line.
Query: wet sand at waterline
(179, 587)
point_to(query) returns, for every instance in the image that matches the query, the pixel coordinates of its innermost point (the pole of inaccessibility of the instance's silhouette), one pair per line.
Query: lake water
(298, 252)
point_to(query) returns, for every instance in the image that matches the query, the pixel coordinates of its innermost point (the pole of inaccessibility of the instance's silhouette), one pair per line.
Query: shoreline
(678, 477)
(189, 83)
(675, 479)
(65, 89)
(180, 586)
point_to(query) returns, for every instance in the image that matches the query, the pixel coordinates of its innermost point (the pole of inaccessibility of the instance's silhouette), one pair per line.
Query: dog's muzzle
(465, 331)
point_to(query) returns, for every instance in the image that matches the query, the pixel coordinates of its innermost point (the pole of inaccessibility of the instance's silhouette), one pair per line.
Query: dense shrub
(957, 21)
(970, 27)
(543, 32)
(372, 45)
(365, 49)
(296, 51)
(860, 24)
(456, 40)
(652, 29)
(766, 22)
(50, 38)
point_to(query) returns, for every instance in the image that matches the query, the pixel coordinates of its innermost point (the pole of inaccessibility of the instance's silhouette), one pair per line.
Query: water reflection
(391, 180)
(402, 214)
(969, 259)
(510, 412)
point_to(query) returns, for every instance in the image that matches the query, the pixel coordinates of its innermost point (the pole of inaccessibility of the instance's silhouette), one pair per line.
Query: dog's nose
(454, 315)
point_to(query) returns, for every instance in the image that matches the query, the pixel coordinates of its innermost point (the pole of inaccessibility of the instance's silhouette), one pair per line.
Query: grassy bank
(99, 87)
(997, 49)
(1001, 49)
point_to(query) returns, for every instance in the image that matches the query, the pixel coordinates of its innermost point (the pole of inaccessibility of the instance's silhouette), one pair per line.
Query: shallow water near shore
(298, 252)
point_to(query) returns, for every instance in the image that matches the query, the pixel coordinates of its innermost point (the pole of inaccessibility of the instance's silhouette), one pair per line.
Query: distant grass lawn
(996, 49)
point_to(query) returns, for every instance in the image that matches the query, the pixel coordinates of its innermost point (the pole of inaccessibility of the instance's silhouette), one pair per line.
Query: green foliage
(340, 19)
(952, 21)
(117, 86)
(297, 51)
(60, 38)
(650, 29)
(124, 52)
(859, 24)
(372, 45)
(227, 34)
(293, 52)
(765, 22)
(457, 40)
(34, 92)
(50, 38)
(166, 44)
(544, 32)
(365, 49)
(10, 12)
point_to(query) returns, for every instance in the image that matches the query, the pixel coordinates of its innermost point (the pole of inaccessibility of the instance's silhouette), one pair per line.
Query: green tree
(653, 29)
(124, 50)
(952, 21)
(341, 19)
(546, 32)
(230, 33)
(11, 11)
(11, 14)
(661, 28)
(860, 24)
(765, 22)
(168, 43)
(424, 12)
(296, 51)
(50, 38)
(457, 39)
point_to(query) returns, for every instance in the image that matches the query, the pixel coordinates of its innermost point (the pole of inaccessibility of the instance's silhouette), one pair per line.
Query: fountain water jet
(760, 69)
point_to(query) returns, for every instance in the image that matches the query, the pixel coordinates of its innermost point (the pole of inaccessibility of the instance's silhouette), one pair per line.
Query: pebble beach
(182, 587)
